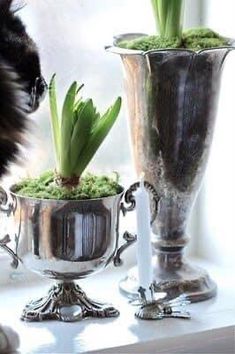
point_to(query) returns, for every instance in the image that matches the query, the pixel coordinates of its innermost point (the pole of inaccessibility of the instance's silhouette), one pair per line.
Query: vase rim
(17, 195)
(114, 48)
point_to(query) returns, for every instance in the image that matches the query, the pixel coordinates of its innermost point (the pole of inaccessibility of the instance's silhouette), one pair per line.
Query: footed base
(193, 282)
(66, 302)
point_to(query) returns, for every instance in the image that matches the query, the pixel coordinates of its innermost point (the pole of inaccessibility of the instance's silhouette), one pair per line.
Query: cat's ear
(5, 6)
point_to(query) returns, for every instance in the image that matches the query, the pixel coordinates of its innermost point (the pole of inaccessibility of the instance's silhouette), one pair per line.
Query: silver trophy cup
(65, 241)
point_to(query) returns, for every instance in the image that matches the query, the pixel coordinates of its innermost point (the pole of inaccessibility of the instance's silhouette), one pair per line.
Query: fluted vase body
(172, 98)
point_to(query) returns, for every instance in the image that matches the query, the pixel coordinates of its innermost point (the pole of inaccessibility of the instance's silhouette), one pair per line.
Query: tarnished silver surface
(159, 308)
(130, 239)
(7, 208)
(4, 246)
(65, 241)
(172, 98)
(66, 302)
(175, 280)
(131, 203)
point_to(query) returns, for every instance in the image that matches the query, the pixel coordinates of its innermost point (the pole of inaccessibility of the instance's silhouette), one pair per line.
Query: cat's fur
(21, 83)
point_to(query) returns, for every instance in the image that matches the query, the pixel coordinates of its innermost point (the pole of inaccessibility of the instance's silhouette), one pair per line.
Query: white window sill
(211, 329)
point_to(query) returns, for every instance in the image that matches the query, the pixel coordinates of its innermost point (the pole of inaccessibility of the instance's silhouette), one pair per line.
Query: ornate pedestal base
(193, 282)
(66, 302)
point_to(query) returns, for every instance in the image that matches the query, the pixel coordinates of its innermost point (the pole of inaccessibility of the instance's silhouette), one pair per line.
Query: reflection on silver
(172, 97)
(67, 240)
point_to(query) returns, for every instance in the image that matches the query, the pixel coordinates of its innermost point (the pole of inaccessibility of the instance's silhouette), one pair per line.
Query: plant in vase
(172, 84)
(168, 15)
(69, 221)
(77, 135)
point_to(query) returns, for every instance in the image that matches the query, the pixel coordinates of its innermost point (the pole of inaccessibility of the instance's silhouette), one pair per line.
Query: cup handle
(131, 204)
(7, 208)
(130, 239)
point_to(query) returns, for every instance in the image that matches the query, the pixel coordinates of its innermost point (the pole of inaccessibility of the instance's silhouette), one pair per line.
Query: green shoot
(79, 132)
(54, 118)
(168, 16)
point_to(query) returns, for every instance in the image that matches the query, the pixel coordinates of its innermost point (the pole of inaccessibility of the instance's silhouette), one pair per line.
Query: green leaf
(77, 108)
(77, 104)
(55, 125)
(81, 131)
(66, 130)
(80, 98)
(95, 115)
(99, 132)
(79, 88)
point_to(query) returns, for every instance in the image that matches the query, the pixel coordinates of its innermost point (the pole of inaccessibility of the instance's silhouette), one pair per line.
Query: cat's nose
(41, 88)
(38, 93)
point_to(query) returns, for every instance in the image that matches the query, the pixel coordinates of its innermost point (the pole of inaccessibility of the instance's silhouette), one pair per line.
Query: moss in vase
(194, 39)
(90, 187)
(150, 42)
(202, 32)
(202, 38)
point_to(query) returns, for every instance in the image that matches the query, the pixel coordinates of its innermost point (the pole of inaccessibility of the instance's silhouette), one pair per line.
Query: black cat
(22, 86)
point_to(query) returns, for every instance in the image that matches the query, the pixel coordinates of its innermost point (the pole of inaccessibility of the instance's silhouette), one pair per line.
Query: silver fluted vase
(172, 97)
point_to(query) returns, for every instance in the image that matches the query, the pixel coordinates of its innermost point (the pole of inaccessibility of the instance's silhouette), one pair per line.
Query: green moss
(150, 42)
(90, 187)
(194, 39)
(200, 33)
(202, 38)
(203, 43)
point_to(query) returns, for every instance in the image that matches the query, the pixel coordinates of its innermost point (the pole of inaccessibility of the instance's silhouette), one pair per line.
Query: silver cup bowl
(67, 240)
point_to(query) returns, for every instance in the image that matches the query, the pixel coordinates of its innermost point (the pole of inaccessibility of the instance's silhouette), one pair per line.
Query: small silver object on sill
(159, 308)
